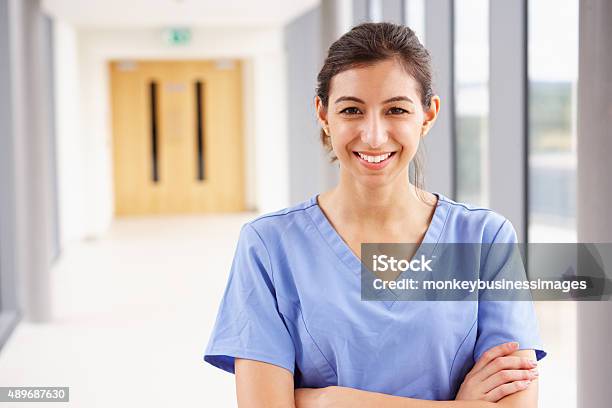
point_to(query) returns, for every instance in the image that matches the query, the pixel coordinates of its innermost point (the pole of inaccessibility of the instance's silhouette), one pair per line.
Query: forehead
(383, 79)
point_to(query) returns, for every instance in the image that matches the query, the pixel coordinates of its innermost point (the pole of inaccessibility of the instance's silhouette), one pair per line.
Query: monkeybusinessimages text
(385, 263)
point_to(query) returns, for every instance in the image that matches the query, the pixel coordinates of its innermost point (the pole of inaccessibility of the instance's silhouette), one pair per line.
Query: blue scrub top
(293, 299)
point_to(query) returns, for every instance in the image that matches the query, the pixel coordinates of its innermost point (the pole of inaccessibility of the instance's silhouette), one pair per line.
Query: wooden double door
(177, 136)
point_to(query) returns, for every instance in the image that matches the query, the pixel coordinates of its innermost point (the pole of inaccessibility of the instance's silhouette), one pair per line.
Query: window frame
(9, 311)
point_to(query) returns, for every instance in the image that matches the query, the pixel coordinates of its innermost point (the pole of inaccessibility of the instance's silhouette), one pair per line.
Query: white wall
(85, 139)
(69, 143)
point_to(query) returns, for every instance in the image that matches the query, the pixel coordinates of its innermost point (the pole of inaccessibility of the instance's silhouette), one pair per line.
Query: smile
(374, 161)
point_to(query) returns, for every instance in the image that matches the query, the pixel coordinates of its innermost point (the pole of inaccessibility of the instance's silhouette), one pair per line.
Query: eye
(398, 110)
(350, 111)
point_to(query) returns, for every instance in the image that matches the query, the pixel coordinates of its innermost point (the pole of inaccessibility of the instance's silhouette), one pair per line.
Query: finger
(505, 363)
(491, 354)
(508, 376)
(505, 390)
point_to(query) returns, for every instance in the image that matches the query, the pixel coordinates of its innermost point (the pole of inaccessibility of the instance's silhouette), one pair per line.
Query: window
(553, 75)
(414, 17)
(471, 33)
(552, 79)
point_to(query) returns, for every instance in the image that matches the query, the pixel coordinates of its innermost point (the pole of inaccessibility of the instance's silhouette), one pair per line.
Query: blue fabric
(293, 299)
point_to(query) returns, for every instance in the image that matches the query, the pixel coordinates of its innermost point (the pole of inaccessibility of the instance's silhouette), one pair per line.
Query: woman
(292, 325)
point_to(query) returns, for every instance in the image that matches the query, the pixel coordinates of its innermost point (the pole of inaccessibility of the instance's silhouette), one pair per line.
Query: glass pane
(472, 99)
(415, 17)
(553, 75)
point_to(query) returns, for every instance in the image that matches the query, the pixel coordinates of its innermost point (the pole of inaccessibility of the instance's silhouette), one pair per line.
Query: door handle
(154, 130)
(199, 94)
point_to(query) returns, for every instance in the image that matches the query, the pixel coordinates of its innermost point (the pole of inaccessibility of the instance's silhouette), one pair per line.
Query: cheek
(412, 134)
(339, 146)
(343, 134)
(407, 133)
(404, 128)
(346, 129)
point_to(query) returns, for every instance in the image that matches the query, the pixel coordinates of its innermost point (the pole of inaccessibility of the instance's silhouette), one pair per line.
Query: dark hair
(367, 44)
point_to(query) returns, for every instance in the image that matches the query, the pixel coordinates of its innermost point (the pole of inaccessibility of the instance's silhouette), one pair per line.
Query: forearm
(524, 399)
(261, 384)
(354, 398)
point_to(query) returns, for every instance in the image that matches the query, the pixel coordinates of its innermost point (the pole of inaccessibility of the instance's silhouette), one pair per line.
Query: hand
(497, 374)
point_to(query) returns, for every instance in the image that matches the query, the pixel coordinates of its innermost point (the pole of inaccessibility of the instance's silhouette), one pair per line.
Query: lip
(374, 166)
(371, 153)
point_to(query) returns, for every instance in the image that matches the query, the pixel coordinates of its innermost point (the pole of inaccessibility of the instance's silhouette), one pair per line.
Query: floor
(133, 311)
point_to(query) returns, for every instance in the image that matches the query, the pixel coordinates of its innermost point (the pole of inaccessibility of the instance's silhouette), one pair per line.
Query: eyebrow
(394, 99)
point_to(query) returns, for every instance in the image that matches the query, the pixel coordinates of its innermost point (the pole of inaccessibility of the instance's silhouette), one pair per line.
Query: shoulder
(466, 222)
(279, 223)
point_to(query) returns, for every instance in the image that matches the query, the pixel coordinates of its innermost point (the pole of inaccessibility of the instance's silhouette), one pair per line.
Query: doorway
(177, 137)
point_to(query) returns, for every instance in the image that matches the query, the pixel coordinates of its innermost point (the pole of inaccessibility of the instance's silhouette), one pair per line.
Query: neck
(379, 205)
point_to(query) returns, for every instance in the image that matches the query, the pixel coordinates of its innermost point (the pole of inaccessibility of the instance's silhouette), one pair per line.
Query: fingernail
(525, 383)
(514, 344)
(533, 362)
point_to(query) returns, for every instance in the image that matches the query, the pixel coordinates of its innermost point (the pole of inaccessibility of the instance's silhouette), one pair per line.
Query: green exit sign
(177, 36)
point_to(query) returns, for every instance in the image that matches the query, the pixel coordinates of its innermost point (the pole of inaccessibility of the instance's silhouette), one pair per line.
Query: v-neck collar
(346, 254)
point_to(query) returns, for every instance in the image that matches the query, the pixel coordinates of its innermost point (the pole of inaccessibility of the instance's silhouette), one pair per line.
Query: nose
(374, 133)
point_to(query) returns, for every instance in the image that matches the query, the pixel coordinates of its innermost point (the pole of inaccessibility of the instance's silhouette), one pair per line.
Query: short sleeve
(248, 323)
(501, 321)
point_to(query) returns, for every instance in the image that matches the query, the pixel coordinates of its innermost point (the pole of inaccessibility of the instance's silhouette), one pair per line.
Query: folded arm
(260, 384)
(502, 378)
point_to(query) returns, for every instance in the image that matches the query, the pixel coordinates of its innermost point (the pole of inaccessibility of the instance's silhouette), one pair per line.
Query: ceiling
(155, 13)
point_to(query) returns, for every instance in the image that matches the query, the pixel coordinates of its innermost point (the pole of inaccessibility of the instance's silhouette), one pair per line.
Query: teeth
(374, 159)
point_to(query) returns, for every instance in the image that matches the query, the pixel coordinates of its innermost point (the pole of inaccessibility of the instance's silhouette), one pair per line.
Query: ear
(431, 114)
(321, 114)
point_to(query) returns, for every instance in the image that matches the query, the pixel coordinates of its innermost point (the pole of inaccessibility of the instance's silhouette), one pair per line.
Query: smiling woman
(372, 128)
(409, 57)
(292, 324)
